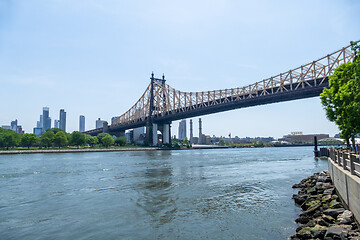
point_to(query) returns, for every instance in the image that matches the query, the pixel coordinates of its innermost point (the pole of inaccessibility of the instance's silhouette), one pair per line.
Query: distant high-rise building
(182, 129)
(56, 123)
(37, 131)
(46, 119)
(14, 125)
(39, 126)
(191, 132)
(41, 121)
(82, 123)
(62, 118)
(200, 132)
(99, 123)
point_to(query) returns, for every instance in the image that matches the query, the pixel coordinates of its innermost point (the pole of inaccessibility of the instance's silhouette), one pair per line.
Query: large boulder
(304, 233)
(335, 204)
(326, 198)
(329, 191)
(318, 231)
(303, 219)
(299, 199)
(327, 218)
(334, 212)
(338, 231)
(346, 217)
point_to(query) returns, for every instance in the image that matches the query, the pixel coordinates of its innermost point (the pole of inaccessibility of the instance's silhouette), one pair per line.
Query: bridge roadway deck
(218, 106)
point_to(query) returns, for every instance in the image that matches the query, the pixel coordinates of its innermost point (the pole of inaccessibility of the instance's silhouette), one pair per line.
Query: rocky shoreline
(323, 215)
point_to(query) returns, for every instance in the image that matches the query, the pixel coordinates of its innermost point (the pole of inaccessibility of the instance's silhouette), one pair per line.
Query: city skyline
(198, 48)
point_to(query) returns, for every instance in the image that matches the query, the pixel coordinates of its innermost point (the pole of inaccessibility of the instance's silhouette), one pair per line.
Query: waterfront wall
(347, 184)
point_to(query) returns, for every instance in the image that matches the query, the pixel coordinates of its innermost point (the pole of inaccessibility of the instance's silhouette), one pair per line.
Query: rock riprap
(323, 215)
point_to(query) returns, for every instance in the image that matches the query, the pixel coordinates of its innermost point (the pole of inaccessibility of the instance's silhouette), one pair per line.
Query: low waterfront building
(299, 137)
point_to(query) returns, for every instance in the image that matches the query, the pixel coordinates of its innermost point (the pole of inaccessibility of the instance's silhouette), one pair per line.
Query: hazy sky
(95, 57)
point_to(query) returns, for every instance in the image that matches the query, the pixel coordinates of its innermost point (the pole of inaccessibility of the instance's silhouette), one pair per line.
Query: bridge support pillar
(154, 134)
(166, 134)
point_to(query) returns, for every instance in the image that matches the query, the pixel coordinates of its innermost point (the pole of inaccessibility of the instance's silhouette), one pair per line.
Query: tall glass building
(62, 119)
(82, 123)
(182, 129)
(46, 119)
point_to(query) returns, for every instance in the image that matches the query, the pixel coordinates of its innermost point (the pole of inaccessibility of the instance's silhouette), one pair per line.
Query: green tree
(341, 100)
(100, 136)
(91, 140)
(60, 139)
(29, 139)
(47, 139)
(120, 141)
(107, 141)
(9, 138)
(56, 130)
(77, 138)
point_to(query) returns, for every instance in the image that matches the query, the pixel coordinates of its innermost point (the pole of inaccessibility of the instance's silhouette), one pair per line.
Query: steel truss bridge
(161, 104)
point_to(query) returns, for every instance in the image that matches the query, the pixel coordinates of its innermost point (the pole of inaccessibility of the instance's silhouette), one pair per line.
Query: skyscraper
(82, 123)
(56, 123)
(46, 119)
(14, 125)
(41, 122)
(62, 119)
(182, 129)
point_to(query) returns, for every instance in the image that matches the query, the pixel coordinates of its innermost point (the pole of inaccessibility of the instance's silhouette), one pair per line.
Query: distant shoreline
(6, 152)
(82, 150)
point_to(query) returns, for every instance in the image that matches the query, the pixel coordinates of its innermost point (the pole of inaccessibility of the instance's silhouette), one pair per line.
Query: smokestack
(191, 132)
(200, 132)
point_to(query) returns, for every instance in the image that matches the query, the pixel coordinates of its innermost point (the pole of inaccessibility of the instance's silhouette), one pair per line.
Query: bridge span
(161, 104)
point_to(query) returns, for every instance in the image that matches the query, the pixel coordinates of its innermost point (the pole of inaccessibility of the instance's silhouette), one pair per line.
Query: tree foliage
(47, 138)
(100, 136)
(77, 138)
(60, 139)
(341, 100)
(91, 140)
(29, 140)
(107, 140)
(120, 141)
(9, 138)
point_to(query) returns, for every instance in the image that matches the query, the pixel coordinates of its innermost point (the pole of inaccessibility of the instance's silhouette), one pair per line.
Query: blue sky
(94, 58)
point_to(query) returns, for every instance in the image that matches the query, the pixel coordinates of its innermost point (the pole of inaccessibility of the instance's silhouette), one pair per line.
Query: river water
(190, 194)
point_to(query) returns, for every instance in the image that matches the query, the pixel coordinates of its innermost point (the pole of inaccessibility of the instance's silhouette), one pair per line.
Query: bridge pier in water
(155, 135)
(152, 136)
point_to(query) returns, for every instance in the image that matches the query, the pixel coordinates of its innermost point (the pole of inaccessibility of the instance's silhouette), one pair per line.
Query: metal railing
(347, 160)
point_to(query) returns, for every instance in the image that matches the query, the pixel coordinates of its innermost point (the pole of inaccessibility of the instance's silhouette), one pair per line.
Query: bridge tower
(151, 126)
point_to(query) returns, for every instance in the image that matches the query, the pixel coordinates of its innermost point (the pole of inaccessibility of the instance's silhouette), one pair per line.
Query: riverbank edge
(75, 150)
(323, 216)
